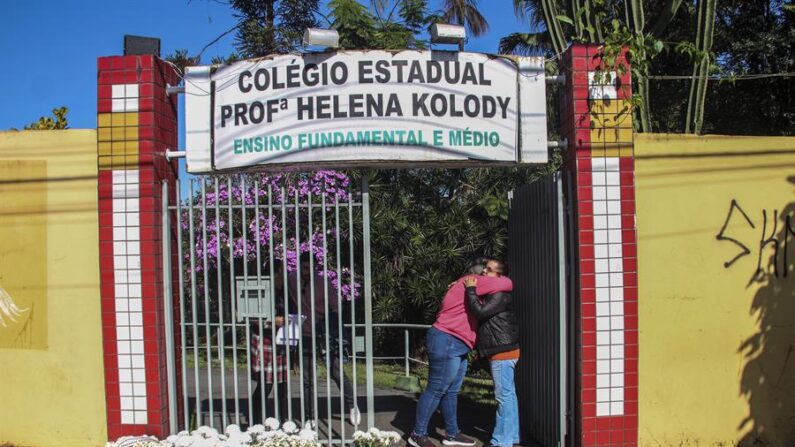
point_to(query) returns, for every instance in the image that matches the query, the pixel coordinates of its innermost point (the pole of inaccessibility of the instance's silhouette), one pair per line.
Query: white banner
(366, 109)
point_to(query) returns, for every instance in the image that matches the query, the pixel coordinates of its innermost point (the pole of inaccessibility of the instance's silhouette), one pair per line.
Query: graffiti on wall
(774, 231)
(24, 226)
(9, 311)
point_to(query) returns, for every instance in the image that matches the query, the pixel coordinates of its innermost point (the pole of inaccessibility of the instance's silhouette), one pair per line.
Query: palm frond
(526, 44)
(465, 13)
(530, 11)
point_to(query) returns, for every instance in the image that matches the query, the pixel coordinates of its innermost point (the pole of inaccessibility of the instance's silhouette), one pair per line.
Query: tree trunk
(698, 85)
(644, 108)
(638, 24)
(666, 15)
(269, 22)
(709, 27)
(691, 101)
(553, 26)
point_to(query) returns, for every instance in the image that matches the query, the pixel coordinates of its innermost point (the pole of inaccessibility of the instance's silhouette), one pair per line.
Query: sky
(50, 47)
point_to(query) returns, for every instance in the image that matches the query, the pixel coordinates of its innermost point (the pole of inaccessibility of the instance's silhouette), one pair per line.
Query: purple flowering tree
(238, 227)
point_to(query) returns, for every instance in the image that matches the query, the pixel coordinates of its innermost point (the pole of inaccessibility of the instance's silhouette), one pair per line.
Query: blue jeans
(506, 428)
(447, 359)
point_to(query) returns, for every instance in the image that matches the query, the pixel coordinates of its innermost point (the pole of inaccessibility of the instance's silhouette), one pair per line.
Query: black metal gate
(536, 256)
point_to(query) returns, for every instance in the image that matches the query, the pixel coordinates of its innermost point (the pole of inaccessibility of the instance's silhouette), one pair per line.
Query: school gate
(166, 317)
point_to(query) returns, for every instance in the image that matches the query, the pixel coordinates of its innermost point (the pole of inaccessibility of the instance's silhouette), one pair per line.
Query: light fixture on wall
(321, 37)
(446, 33)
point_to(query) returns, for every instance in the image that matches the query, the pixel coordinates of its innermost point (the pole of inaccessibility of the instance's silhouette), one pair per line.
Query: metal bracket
(175, 89)
(170, 155)
(561, 144)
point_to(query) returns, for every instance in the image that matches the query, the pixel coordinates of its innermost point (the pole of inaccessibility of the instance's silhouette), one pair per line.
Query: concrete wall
(52, 390)
(717, 299)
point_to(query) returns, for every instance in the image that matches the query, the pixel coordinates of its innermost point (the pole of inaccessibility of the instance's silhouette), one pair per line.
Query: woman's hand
(470, 281)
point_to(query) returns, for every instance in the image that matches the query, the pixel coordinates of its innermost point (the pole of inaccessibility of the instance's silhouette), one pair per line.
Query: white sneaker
(355, 416)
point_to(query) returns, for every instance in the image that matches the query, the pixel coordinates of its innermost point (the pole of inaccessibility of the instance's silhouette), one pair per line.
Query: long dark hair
(476, 265)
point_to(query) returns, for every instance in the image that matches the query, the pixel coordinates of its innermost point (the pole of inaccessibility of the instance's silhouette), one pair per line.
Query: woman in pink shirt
(448, 342)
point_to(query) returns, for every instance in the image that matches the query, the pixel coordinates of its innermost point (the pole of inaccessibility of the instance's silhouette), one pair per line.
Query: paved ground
(394, 409)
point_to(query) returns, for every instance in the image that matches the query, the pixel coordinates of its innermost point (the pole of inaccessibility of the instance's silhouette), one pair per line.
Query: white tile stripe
(124, 98)
(609, 277)
(603, 86)
(127, 284)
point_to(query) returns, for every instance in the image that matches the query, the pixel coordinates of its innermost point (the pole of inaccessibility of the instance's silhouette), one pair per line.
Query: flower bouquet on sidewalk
(269, 434)
(375, 438)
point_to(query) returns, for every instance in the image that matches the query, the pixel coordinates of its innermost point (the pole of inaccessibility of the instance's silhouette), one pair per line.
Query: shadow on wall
(768, 379)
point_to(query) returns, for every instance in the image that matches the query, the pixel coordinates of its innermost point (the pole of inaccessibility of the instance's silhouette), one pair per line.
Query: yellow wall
(51, 371)
(717, 363)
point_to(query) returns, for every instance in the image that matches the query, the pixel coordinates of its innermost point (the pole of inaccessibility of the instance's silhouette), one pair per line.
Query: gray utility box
(253, 298)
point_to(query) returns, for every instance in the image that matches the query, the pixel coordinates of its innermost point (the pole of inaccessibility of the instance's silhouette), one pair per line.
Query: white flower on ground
(307, 434)
(256, 436)
(272, 423)
(239, 439)
(184, 441)
(289, 427)
(375, 438)
(206, 432)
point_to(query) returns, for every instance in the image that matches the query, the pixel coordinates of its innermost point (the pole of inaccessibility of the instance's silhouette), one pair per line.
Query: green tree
(181, 59)
(701, 66)
(694, 41)
(57, 121)
(754, 38)
(466, 14)
(270, 26)
(381, 24)
(616, 23)
(427, 223)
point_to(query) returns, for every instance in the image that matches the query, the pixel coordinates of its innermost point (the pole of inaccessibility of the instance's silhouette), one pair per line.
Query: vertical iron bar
(287, 344)
(264, 412)
(406, 350)
(353, 309)
(232, 293)
(339, 316)
(168, 310)
(208, 338)
(221, 347)
(247, 319)
(312, 305)
(194, 309)
(325, 319)
(183, 339)
(300, 305)
(368, 300)
(275, 362)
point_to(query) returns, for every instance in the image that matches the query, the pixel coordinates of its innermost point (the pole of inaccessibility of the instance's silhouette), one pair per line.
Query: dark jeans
(334, 370)
(447, 366)
(256, 402)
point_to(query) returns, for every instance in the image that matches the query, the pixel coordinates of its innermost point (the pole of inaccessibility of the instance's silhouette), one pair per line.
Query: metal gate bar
(212, 308)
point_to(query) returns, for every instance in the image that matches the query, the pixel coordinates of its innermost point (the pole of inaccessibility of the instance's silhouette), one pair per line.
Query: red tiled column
(597, 121)
(136, 123)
